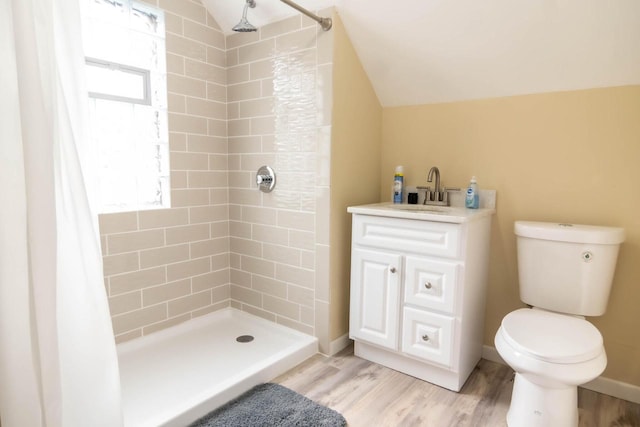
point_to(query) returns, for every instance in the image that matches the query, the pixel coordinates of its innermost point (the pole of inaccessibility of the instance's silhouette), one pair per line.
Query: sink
(421, 208)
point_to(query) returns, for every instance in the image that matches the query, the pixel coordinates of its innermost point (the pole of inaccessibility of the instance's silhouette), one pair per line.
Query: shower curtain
(58, 364)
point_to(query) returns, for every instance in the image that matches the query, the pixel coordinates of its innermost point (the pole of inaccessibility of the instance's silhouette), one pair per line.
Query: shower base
(175, 376)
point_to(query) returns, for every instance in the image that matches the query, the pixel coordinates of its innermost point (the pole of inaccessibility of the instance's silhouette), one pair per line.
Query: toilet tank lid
(575, 233)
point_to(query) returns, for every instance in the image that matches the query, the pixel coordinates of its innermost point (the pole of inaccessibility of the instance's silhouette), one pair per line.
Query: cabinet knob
(427, 285)
(425, 338)
(392, 269)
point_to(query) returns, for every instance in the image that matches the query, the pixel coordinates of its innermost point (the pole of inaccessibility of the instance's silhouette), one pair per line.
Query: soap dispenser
(472, 199)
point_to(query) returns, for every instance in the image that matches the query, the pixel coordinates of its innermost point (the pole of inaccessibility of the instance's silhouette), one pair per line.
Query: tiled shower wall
(279, 110)
(224, 243)
(163, 267)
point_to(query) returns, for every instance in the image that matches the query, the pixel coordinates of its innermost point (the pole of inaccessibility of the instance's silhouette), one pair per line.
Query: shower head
(245, 26)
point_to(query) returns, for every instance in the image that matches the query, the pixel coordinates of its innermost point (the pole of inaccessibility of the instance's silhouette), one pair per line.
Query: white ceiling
(431, 51)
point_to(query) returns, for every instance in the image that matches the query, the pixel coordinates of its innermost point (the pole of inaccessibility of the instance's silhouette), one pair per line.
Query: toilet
(565, 273)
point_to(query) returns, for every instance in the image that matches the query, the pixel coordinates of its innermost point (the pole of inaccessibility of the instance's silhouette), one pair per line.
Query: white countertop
(452, 214)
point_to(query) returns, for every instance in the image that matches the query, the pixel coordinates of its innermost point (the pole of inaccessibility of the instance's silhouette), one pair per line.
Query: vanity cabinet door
(375, 297)
(431, 283)
(428, 336)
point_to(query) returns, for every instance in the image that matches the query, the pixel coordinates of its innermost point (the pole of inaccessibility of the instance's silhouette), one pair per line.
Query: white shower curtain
(58, 364)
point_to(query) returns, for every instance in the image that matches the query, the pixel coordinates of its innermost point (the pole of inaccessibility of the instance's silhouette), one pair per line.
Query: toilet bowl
(551, 354)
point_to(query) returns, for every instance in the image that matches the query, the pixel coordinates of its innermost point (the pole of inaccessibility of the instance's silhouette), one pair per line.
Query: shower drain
(245, 338)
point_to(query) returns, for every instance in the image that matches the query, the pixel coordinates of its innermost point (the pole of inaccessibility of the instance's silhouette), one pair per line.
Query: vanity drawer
(422, 237)
(430, 283)
(428, 336)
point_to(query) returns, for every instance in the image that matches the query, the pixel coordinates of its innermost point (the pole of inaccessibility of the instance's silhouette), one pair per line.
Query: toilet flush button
(587, 256)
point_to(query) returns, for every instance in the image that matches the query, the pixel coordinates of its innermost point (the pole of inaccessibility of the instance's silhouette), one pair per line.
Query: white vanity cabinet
(418, 285)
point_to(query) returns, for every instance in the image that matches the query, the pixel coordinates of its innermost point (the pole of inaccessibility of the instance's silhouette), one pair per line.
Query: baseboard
(338, 344)
(602, 385)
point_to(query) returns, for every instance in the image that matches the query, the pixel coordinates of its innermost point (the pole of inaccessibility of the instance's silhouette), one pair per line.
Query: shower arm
(325, 23)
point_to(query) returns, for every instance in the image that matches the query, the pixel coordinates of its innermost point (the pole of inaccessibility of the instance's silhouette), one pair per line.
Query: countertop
(451, 214)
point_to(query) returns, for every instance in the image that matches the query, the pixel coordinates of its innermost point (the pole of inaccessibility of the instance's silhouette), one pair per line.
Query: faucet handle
(452, 189)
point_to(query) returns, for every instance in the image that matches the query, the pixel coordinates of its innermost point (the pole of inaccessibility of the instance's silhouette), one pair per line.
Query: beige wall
(355, 164)
(566, 157)
(163, 267)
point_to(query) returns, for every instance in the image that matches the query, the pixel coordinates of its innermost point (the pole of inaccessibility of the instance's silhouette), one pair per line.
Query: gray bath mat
(271, 405)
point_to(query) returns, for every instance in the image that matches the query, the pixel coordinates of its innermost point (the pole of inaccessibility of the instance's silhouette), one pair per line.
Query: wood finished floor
(371, 395)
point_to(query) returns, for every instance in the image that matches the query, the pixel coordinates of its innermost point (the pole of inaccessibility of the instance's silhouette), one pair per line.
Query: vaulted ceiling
(432, 51)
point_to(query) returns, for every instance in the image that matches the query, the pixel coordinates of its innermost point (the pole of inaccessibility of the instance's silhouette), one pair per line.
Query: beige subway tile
(219, 229)
(189, 303)
(211, 21)
(263, 125)
(139, 318)
(185, 269)
(175, 64)
(269, 286)
(221, 293)
(220, 262)
(103, 244)
(216, 56)
(186, 123)
(240, 127)
(255, 215)
(127, 336)
(256, 51)
(216, 92)
(233, 162)
(269, 234)
(176, 103)
(281, 307)
(308, 260)
(118, 222)
(240, 278)
(165, 255)
(166, 324)
(199, 179)
(235, 213)
(299, 295)
(240, 229)
(237, 74)
(267, 87)
(137, 280)
(211, 308)
(252, 162)
(204, 34)
(123, 263)
(209, 109)
(210, 280)
(232, 57)
(295, 275)
(262, 69)
(281, 254)
(210, 247)
(233, 110)
(177, 143)
(302, 239)
(208, 214)
(304, 221)
(183, 46)
(241, 39)
(184, 198)
(297, 40)
(206, 144)
(187, 9)
(158, 218)
(307, 315)
(189, 161)
(133, 241)
(219, 196)
(257, 107)
(204, 71)
(173, 23)
(246, 296)
(245, 247)
(258, 266)
(280, 27)
(186, 85)
(244, 144)
(178, 179)
(217, 127)
(124, 303)
(187, 233)
(244, 91)
(241, 180)
(166, 292)
(218, 162)
(300, 327)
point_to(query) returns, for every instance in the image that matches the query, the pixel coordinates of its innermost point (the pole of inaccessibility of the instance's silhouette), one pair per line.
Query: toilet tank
(567, 268)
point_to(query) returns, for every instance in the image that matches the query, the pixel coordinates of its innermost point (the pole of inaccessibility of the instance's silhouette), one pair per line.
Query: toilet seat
(551, 337)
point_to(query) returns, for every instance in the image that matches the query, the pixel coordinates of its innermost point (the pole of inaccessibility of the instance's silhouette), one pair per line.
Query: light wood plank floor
(368, 394)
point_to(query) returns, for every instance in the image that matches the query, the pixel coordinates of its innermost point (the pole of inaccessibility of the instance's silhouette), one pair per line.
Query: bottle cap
(399, 170)
(473, 179)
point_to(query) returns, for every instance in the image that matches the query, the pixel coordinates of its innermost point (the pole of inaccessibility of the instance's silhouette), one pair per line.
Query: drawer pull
(425, 337)
(427, 285)
(392, 269)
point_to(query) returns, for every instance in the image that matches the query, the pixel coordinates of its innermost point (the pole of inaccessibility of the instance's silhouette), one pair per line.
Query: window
(126, 75)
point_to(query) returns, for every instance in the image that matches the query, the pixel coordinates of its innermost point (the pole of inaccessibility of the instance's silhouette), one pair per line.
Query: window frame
(145, 74)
